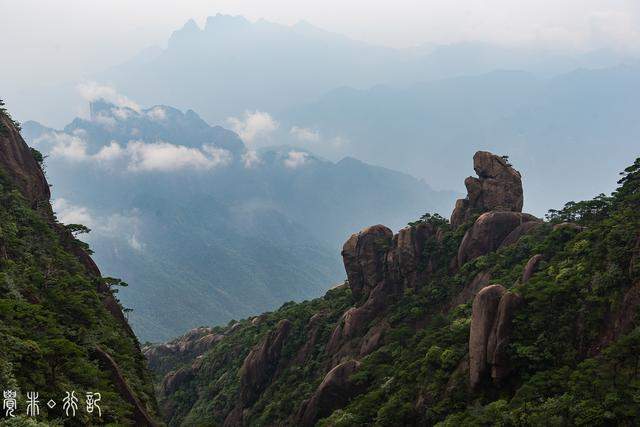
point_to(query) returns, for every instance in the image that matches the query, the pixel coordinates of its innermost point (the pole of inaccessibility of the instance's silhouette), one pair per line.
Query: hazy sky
(63, 40)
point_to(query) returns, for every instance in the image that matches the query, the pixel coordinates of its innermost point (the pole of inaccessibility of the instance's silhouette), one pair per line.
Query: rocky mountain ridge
(431, 321)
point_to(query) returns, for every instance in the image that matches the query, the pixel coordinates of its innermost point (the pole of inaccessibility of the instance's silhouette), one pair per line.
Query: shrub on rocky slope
(491, 322)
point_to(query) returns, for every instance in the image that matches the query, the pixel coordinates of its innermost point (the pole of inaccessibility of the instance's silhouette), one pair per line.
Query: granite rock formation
(498, 187)
(491, 322)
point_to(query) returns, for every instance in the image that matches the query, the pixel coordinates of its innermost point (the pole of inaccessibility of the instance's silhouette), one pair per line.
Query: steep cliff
(499, 318)
(61, 327)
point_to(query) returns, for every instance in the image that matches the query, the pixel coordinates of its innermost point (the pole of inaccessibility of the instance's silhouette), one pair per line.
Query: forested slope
(61, 327)
(498, 319)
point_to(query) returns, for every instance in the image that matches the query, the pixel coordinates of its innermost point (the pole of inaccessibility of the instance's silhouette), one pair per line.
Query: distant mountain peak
(224, 22)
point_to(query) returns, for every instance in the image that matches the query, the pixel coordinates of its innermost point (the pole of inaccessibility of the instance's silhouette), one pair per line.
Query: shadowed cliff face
(76, 323)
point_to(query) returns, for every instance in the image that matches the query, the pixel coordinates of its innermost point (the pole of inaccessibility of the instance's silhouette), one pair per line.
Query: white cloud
(92, 91)
(295, 159)
(139, 156)
(305, 134)
(108, 122)
(67, 146)
(69, 213)
(135, 243)
(253, 126)
(250, 159)
(162, 156)
(157, 113)
(109, 152)
(123, 226)
(122, 113)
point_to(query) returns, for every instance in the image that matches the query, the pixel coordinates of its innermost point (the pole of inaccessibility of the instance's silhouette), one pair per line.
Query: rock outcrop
(335, 391)
(531, 267)
(491, 321)
(17, 160)
(378, 266)
(312, 332)
(261, 362)
(193, 343)
(140, 413)
(258, 369)
(363, 255)
(172, 381)
(488, 233)
(498, 187)
(500, 336)
(519, 232)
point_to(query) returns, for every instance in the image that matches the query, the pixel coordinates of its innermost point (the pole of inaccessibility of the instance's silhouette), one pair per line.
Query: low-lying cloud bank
(138, 156)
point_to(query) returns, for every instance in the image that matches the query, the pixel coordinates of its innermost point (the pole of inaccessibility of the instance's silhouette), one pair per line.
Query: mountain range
(429, 129)
(421, 110)
(213, 69)
(205, 229)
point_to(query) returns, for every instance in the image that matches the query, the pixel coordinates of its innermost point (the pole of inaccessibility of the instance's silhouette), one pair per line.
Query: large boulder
(335, 391)
(262, 362)
(500, 336)
(173, 380)
(355, 320)
(488, 232)
(531, 267)
(363, 255)
(498, 187)
(492, 315)
(483, 314)
(519, 232)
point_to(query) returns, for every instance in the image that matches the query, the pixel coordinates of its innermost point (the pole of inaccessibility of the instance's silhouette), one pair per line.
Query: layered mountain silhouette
(213, 69)
(203, 228)
(558, 129)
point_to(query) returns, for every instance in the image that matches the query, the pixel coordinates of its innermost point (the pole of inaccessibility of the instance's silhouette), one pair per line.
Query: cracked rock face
(336, 389)
(261, 362)
(363, 255)
(489, 232)
(498, 187)
(491, 326)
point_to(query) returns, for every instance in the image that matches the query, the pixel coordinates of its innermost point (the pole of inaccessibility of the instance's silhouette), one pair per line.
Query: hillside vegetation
(61, 327)
(504, 319)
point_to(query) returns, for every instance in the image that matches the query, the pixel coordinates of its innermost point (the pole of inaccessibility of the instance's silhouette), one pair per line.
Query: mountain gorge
(61, 326)
(494, 317)
(204, 228)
